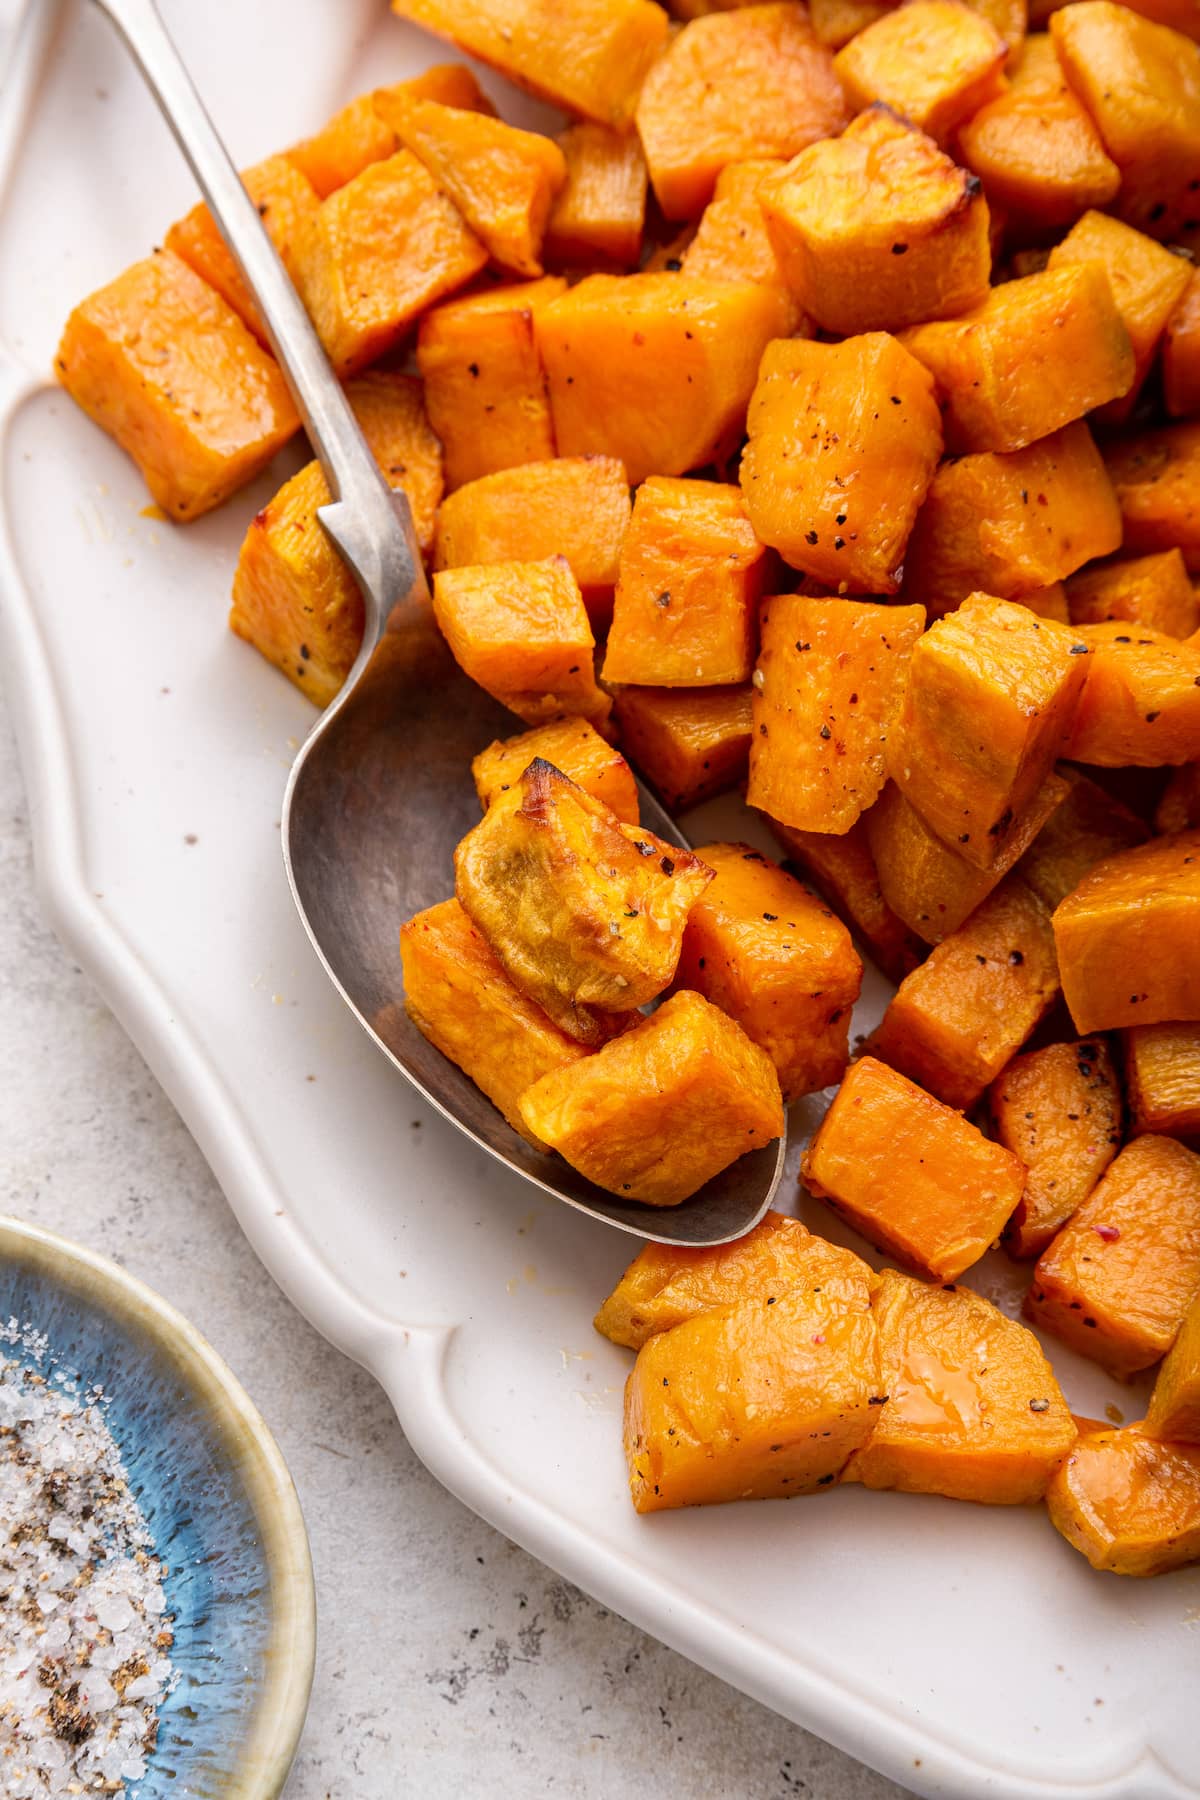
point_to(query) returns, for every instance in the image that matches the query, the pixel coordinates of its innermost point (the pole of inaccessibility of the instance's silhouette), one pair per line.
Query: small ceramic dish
(218, 1500)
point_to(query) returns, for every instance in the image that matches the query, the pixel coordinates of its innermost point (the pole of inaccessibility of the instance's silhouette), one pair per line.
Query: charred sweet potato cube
(1126, 937)
(1128, 1503)
(878, 229)
(361, 133)
(751, 1402)
(1140, 81)
(376, 253)
(572, 506)
(1162, 1078)
(1119, 1277)
(732, 242)
(1144, 590)
(1037, 354)
(1059, 1110)
(927, 883)
(600, 211)
(1008, 523)
(1035, 148)
(934, 61)
(685, 613)
(484, 385)
(655, 369)
(915, 1177)
(294, 598)
(163, 364)
(973, 1410)
(664, 1107)
(574, 747)
(592, 62)
(666, 1284)
(1179, 807)
(1083, 829)
(456, 993)
(688, 743)
(1181, 353)
(843, 442)
(767, 952)
(1001, 686)
(285, 200)
(1174, 1411)
(1141, 698)
(830, 678)
(1156, 478)
(521, 631)
(844, 873)
(582, 910)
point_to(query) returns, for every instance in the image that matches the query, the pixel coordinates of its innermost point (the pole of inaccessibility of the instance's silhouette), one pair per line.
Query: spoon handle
(370, 523)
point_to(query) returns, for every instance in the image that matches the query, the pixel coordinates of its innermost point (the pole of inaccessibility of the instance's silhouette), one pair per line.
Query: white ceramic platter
(963, 1651)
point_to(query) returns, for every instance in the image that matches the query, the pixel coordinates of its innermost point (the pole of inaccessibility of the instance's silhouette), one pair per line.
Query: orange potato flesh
(600, 211)
(761, 947)
(1126, 937)
(843, 871)
(1088, 826)
(1058, 1109)
(1127, 1503)
(973, 1410)
(458, 995)
(1156, 478)
(1048, 602)
(1141, 698)
(1144, 590)
(688, 743)
(915, 1177)
(837, 21)
(285, 200)
(957, 1020)
(732, 242)
(935, 61)
(830, 677)
(1162, 1078)
(750, 1402)
(163, 364)
(666, 1284)
(1181, 353)
(663, 1108)
(573, 746)
(1174, 1411)
(361, 133)
(1117, 1280)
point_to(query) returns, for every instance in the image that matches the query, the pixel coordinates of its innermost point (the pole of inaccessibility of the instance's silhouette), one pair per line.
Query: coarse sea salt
(84, 1631)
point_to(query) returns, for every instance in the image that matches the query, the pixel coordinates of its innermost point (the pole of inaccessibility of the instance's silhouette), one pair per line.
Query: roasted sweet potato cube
(294, 598)
(1129, 1504)
(592, 62)
(484, 385)
(1147, 284)
(973, 1410)
(685, 613)
(767, 952)
(1144, 590)
(1126, 937)
(666, 1284)
(1048, 603)
(843, 441)
(915, 1177)
(1119, 1277)
(361, 133)
(1179, 807)
(582, 910)
(1059, 1110)
(752, 82)
(830, 677)
(955, 1022)
(458, 995)
(521, 631)
(1000, 686)
(1140, 82)
(1083, 829)
(664, 1107)
(935, 61)
(1037, 354)
(927, 883)
(1141, 698)
(837, 21)
(1035, 148)
(600, 210)
(655, 369)
(1174, 1411)
(844, 873)
(163, 364)
(688, 743)
(1156, 479)
(1162, 1078)
(572, 506)
(376, 253)
(732, 242)
(878, 229)
(285, 200)
(1181, 353)
(1006, 524)
(574, 747)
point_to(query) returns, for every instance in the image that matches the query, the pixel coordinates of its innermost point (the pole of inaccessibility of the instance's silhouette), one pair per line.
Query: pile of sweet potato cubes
(901, 359)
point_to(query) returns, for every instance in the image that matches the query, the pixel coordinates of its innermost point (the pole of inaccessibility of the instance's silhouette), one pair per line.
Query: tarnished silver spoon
(380, 792)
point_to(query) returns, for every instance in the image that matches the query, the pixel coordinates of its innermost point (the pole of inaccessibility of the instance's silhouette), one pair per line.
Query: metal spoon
(380, 792)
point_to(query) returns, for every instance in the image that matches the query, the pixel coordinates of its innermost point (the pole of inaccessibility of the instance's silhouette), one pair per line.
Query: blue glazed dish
(219, 1503)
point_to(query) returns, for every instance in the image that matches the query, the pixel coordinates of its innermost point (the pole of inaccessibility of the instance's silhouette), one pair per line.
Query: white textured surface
(446, 1655)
